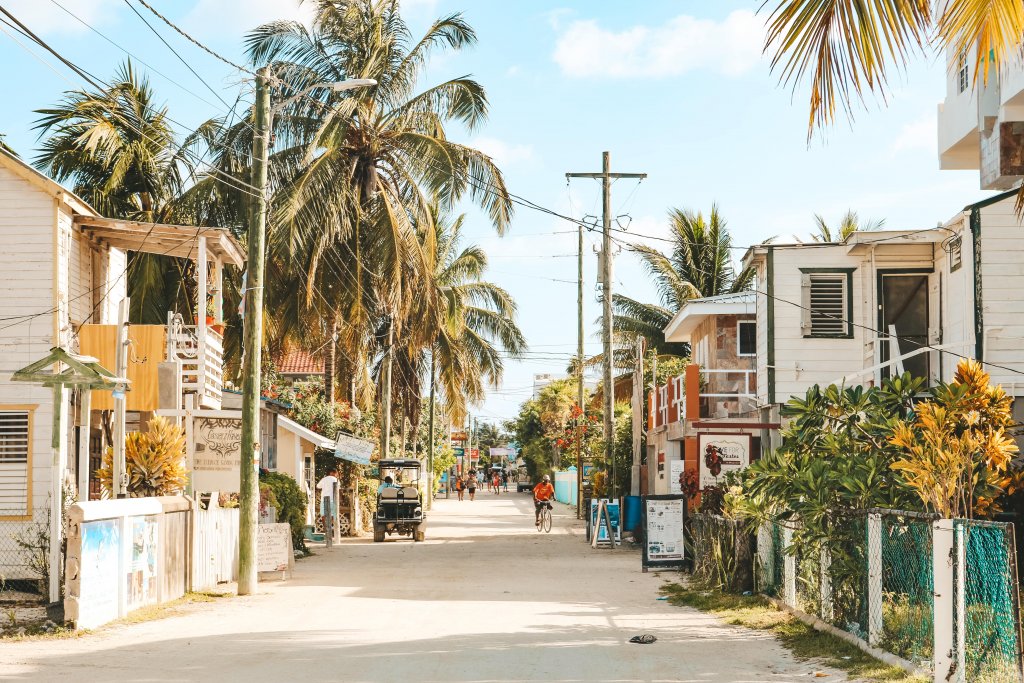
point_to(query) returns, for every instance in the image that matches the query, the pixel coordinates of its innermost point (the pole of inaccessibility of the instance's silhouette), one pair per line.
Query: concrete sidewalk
(485, 598)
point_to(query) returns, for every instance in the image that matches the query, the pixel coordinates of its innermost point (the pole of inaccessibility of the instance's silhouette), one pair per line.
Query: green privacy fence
(880, 575)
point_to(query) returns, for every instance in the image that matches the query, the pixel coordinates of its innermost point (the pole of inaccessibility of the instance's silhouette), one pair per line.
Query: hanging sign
(352, 449)
(664, 518)
(721, 453)
(675, 471)
(218, 454)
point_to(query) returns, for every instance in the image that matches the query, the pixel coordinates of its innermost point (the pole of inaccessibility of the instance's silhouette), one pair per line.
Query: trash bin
(631, 513)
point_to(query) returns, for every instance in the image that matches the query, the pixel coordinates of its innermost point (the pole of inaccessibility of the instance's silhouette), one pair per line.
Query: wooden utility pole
(385, 437)
(581, 424)
(248, 495)
(430, 434)
(607, 177)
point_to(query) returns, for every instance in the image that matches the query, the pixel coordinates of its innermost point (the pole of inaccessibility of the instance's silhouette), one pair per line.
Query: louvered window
(826, 300)
(14, 462)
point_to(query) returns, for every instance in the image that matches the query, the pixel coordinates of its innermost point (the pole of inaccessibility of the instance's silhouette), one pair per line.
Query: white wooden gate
(215, 556)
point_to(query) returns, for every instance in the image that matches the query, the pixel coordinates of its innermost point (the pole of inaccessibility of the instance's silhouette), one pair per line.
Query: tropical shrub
(154, 461)
(291, 504)
(957, 454)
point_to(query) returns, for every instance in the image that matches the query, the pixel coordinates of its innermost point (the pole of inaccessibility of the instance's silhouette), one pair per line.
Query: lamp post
(248, 497)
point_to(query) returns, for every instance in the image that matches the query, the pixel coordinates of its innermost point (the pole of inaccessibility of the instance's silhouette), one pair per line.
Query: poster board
(274, 547)
(141, 569)
(100, 573)
(599, 526)
(733, 451)
(348, 447)
(675, 470)
(664, 531)
(216, 465)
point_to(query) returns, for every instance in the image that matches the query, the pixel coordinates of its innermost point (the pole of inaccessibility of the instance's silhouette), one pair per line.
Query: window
(827, 304)
(955, 248)
(961, 72)
(15, 455)
(746, 336)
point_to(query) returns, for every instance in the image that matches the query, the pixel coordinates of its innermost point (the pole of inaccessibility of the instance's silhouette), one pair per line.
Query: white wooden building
(825, 312)
(63, 270)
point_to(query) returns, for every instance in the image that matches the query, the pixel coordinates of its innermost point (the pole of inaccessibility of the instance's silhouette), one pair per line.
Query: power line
(193, 40)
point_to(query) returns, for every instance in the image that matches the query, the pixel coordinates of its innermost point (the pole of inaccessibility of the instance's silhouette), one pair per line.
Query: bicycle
(545, 517)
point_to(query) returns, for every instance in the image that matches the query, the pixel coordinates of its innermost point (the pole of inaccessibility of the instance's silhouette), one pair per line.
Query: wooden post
(788, 568)
(84, 437)
(57, 479)
(119, 485)
(874, 579)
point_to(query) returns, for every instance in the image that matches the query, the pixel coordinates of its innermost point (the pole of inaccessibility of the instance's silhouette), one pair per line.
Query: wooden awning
(160, 238)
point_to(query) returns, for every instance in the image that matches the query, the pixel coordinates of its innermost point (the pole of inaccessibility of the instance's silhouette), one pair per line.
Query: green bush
(291, 504)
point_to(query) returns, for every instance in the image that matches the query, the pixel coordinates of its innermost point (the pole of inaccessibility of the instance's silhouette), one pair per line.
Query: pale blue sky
(676, 89)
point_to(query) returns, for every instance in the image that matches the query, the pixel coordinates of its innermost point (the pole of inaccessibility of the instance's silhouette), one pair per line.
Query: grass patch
(803, 641)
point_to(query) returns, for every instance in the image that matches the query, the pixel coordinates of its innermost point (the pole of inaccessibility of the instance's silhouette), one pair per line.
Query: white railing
(727, 392)
(663, 405)
(200, 352)
(679, 397)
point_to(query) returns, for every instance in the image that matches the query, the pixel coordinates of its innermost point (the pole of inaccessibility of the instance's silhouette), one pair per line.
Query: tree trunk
(332, 352)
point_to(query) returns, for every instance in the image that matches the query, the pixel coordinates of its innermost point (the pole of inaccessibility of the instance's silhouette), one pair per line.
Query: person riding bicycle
(542, 495)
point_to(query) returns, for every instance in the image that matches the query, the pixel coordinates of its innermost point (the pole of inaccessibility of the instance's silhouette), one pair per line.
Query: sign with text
(459, 436)
(348, 447)
(474, 453)
(722, 453)
(273, 547)
(459, 451)
(500, 452)
(675, 471)
(601, 526)
(664, 518)
(218, 454)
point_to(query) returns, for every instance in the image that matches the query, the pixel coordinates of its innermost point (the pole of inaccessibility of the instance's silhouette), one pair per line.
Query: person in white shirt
(327, 486)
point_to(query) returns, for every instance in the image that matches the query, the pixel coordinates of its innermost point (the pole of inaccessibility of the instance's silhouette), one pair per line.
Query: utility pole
(430, 435)
(120, 471)
(248, 496)
(607, 177)
(386, 428)
(581, 425)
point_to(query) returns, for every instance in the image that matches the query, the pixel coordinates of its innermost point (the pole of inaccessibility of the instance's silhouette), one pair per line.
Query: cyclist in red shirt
(542, 495)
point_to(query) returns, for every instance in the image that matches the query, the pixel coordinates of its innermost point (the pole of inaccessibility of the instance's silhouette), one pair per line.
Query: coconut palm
(355, 172)
(699, 264)
(849, 224)
(5, 148)
(848, 49)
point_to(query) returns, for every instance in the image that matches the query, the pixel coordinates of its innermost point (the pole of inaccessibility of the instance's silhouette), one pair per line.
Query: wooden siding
(1002, 275)
(148, 349)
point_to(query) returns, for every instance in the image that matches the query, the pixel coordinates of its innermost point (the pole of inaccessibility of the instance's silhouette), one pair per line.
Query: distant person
(542, 495)
(327, 486)
(496, 482)
(460, 486)
(471, 485)
(504, 480)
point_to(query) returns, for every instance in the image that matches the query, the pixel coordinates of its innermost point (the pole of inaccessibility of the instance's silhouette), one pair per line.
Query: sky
(677, 89)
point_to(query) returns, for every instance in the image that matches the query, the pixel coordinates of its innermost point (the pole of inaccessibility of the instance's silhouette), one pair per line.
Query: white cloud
(503, 153)
(46, 18)
(921, 134)
(556, 16)
(513, 71)
(684, 43)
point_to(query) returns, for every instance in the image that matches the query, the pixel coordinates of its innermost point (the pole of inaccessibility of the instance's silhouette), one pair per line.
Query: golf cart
(399, 503)
(523, 481)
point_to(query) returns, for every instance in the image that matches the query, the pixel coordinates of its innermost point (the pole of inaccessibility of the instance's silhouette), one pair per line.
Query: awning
(309, 435)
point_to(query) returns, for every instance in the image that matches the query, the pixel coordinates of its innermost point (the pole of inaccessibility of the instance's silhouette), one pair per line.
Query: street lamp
(248, 497)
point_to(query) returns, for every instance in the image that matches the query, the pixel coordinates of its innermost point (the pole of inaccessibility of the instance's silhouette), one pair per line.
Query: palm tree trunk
(329, 369)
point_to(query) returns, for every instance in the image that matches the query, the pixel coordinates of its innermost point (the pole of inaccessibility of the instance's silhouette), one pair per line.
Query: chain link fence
(987, 603)
(24, 555)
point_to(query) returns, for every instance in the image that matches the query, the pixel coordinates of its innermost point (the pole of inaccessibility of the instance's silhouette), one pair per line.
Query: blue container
(631, 512)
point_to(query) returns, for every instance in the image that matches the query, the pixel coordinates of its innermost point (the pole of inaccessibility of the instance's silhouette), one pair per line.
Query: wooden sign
(274, 547)
(218, 454)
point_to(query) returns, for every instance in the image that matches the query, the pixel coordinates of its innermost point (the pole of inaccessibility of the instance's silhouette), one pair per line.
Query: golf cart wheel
(378, 533)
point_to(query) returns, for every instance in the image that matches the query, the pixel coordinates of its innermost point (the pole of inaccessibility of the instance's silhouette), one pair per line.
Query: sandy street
(486, 598)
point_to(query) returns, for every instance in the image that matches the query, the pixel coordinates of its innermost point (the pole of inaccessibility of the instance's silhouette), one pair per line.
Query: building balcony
(710, 394)
(198, 351)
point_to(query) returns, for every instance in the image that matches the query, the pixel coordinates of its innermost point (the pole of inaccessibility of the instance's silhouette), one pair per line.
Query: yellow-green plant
(957, 454)
(154, 461)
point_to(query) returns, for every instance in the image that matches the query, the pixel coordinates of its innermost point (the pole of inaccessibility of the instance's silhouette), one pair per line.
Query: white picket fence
(215, 554)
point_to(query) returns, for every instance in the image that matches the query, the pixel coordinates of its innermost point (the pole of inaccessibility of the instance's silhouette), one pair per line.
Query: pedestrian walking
(504, 480)
(460, 486)
(496, 483)
(471, 485)
(328, 485)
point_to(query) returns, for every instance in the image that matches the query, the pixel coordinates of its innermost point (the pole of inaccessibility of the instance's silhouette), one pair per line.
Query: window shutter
(14, 438)
(828, 297)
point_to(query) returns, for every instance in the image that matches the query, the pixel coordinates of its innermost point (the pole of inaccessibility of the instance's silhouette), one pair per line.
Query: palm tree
(849, 224)
(5, 148)
(699, 265)
(118, 151)
(847, 48)
(355, 172)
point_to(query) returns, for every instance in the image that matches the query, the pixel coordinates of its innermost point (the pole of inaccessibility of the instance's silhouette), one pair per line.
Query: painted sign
(500, 452)
(459, 436)
(99, 573)
(142, 559)
(459, 451)
(273, 547)
(352, 449)
(600, 525)
(675, 471)
(721, 453)
(218, 454)
(474, 453)
(664, 530)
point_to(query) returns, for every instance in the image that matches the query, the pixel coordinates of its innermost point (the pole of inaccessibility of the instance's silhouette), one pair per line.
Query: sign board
(664, 518)
(273, 547)
(675, 470)
(459, 436)
(352, 449)
(459, 451)
(474, 453)
(600, 526)
(731, 450)
(218, 454)
(142, 558)
(500, 452)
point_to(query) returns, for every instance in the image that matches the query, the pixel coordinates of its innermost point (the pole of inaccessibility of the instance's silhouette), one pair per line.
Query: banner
(352, 449)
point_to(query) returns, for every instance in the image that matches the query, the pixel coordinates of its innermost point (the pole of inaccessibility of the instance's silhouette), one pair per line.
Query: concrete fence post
(875, 622)
(944, 601)
(827, 611)
(960, 600)
(788, 568)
